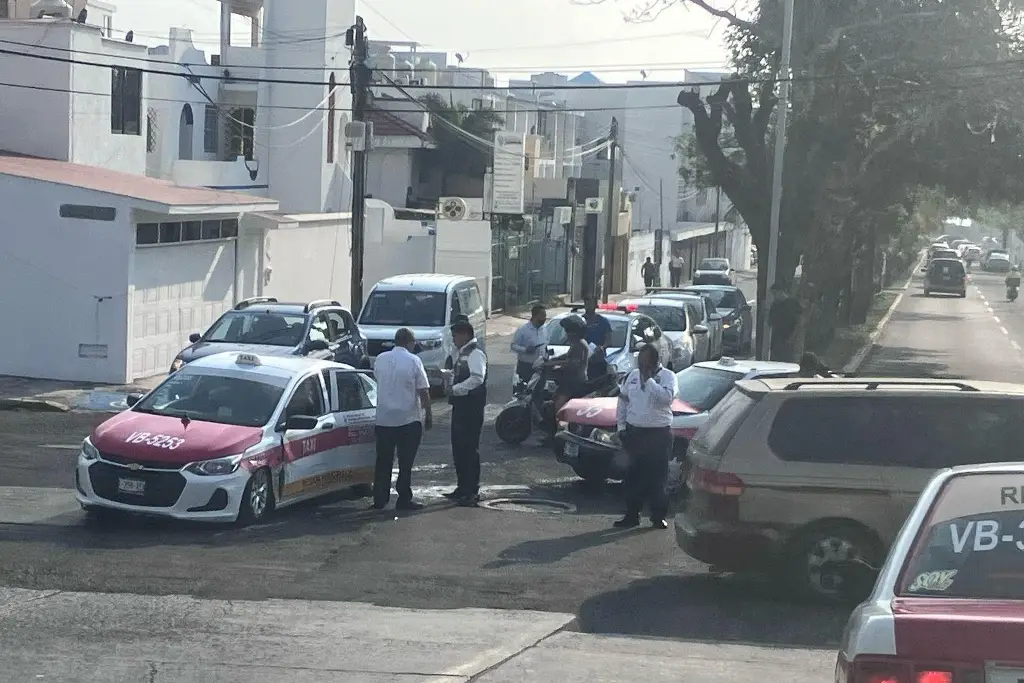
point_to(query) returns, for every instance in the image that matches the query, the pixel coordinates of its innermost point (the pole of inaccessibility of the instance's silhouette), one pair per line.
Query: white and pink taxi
(231, 437)
(948, 605)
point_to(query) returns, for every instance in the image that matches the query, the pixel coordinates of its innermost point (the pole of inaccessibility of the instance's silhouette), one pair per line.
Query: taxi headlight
(89, 452)
(177, 364)
(428, 344)
(215, 468)
(606, 437)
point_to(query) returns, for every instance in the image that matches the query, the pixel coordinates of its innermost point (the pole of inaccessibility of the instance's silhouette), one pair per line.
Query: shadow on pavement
(550, 550)
(903, 361)
(704, 607)
(910, 318)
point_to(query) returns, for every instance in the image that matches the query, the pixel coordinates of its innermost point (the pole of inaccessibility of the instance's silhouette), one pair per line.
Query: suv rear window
(724, 420)
(971, 542)
(947, 267)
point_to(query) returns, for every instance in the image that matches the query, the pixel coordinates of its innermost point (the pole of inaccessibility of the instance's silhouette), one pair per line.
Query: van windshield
(396, 308)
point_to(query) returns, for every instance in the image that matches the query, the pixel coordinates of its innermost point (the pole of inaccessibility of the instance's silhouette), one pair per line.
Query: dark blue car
(736, 312)
(320, 329)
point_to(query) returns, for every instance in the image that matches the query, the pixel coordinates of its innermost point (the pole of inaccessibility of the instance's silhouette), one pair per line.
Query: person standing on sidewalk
(649, 272)
(599, 333)
(468, 399)
(402, 389)
(675, 269)
(529, 342)
(644, 420)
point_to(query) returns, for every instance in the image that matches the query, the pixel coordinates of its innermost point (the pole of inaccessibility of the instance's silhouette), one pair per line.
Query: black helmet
(574, 324)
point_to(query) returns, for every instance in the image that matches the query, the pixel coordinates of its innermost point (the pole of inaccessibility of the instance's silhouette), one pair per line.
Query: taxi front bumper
(177, 494)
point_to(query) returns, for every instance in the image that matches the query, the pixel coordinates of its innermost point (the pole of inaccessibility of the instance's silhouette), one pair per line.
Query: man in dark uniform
(468, 398)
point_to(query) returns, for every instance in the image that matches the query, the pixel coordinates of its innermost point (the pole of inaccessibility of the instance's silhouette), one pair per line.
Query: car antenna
(185, 420)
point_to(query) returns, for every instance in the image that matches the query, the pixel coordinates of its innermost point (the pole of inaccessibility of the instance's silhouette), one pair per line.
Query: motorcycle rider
(1012, 280)
(573, 380)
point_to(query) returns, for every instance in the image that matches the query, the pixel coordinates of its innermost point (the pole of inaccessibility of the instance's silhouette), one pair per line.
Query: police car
(232, 436)
(947, 604)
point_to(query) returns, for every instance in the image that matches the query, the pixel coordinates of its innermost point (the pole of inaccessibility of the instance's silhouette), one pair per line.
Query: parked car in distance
(629, 331)
(787, 471)
(713, 271)
(945, 607)
(703, 310)
(680, 327)
(427, 304)
(737, 316)
(945, 276)
(322, 329)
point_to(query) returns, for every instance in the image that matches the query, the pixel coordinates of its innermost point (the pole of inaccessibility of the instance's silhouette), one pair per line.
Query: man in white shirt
(644, 419)
(468, 399)
(530, 342)
(402, 389)
(675, 269)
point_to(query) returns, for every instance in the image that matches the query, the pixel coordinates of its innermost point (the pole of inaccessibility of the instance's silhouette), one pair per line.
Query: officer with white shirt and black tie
(468, 398)
(644, 418)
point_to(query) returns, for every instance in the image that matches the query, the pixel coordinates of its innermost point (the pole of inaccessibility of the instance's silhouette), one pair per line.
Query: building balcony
(221, 175)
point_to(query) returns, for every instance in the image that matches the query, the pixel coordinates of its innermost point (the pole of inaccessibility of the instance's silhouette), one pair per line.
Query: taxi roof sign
(248, 359)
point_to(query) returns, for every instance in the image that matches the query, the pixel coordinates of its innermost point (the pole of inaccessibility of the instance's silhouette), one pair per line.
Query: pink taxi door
(352, 399)
(308, 454)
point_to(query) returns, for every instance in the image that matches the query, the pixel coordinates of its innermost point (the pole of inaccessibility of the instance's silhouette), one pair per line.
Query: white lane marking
(996, 318)
(1015, 345)
(1004, 331)
(63, 446)
(989, 309)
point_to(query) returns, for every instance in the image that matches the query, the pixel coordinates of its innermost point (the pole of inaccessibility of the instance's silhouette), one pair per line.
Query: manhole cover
(527, 505)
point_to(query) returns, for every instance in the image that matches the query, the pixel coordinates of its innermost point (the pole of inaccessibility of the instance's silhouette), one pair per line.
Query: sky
(512, 38)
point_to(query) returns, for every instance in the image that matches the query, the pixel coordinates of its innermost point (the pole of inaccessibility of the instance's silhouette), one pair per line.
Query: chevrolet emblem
(134, 466)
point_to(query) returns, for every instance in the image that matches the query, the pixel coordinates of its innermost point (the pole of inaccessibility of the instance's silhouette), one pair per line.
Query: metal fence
(528, 265)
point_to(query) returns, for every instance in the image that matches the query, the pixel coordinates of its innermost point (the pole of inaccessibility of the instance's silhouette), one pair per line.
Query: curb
(32, 405)
(859, 358)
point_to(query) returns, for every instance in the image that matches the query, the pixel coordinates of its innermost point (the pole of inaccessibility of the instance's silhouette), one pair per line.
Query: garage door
(179, 289)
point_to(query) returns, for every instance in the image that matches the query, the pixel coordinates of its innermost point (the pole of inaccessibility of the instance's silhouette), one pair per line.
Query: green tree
(887, 96)
(453, 128)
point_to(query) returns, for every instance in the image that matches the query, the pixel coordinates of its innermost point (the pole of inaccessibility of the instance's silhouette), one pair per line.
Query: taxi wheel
(257, 499)
(812, 550)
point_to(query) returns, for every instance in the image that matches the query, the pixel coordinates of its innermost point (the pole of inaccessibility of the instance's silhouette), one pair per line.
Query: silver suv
(793, 474)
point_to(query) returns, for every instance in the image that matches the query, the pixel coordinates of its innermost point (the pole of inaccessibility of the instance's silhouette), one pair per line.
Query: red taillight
(896, 671)
(608, 307)
(715, 483)
(934, 677)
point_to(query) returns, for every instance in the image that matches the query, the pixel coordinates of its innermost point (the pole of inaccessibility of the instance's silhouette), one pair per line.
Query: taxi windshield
(703, 388)
(258, 327)
(225, 399)
(972, 542)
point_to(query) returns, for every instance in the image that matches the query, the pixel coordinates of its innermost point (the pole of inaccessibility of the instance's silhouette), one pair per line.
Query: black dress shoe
(453, 495)
(627, 523)
(659, 524)
(409, 505)
(468, 501)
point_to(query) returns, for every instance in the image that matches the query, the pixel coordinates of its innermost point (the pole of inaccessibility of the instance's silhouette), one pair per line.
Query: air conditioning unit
(562, 215)
(452, 208)
(356, 135)
(593, 205)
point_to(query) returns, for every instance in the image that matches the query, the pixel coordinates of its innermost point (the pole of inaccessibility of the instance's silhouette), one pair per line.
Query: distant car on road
(231, 437)
(682, 328)
(945, 607)
(737, 316)
(997, 262)
(945, 276)
(703, 311)
(322, 329)
(713, 271)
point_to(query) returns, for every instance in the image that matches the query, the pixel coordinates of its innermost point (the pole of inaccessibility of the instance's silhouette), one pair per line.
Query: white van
(426, 303)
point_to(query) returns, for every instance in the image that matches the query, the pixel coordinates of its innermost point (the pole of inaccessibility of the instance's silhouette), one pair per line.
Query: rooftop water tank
(427, 71)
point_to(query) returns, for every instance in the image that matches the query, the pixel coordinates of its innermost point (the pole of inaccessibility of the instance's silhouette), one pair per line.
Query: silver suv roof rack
(874, 385)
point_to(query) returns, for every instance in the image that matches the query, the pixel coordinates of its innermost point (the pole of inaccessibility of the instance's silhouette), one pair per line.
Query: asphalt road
(617, 582)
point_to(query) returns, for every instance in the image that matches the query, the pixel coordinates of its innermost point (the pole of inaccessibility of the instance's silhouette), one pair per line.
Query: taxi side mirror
(131, 399)
(194, 337)
(300, 423)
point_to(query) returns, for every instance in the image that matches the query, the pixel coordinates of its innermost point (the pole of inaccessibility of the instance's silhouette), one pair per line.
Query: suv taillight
(716, 483)
(902, 671)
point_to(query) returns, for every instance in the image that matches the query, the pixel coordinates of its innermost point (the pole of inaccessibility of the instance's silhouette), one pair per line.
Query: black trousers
(650, 449)
(405, 442)
(677, 276)
(525, 370)
(467, 423)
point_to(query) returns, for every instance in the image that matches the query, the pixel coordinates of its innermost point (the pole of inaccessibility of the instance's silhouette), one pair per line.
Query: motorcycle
(1011, 292)
(533, 407)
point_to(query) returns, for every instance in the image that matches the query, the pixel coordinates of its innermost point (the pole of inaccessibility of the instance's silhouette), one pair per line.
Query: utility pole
(611, 211)
(359, 76)
(718, 210)
(780, 155)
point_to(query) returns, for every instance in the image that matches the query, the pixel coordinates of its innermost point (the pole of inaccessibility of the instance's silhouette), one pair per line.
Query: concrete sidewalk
(61, 637)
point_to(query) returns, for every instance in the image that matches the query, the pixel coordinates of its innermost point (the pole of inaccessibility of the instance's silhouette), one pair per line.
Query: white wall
(738, 244)
(464, 248)
(389, 174)
(641, 245)
(386, 259)
(310, 261)
(51, 272)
